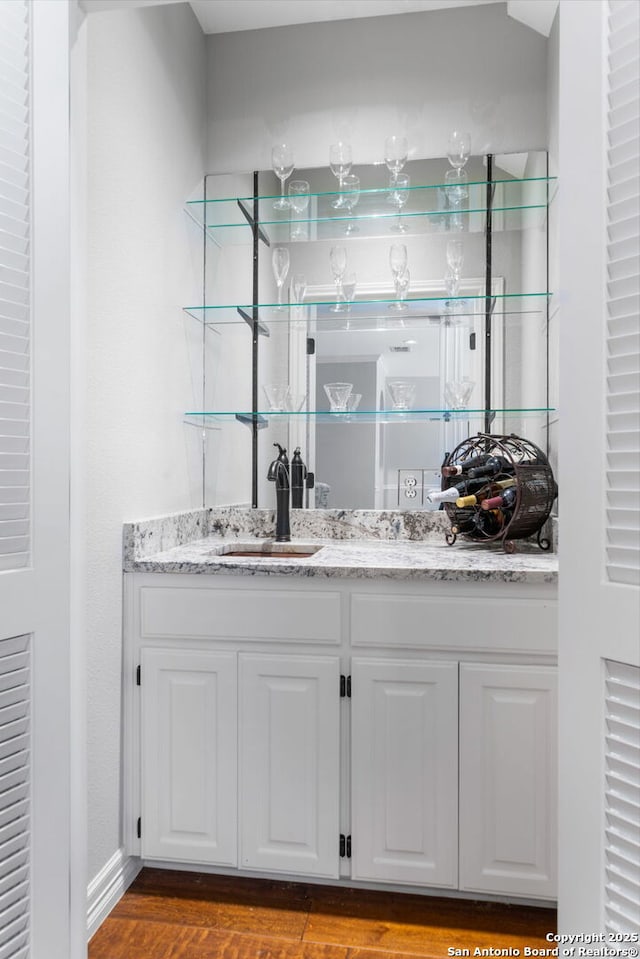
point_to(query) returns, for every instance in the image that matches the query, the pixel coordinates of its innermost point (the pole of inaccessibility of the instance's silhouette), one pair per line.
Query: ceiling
(228, 16)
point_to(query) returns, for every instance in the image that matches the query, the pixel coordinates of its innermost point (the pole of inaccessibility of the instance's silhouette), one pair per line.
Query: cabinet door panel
(189, 756)
(508, 779)
(289, 761)
(405, 777)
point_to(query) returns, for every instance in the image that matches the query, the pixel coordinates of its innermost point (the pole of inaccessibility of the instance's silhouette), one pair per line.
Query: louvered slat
(622, 797)
(15, 784)
(622, 507)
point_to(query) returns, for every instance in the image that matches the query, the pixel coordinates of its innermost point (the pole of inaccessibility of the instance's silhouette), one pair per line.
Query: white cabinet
(289, 763)
(405, 771)
(189, 755)
(440, 769)
(508, 779)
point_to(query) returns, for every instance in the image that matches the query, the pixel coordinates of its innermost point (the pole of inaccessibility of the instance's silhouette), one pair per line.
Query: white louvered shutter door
(623, 294)
(15, 784)
(622, 805)
(14, 286)
(15, 485)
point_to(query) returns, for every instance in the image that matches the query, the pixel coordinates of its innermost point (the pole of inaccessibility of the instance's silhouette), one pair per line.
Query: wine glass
(348, 289)
(396, 153)
(282, 165)
(455, 186)
(340, 161)
(280, 266)
(401, 282)
(338, 261)
(397, 258)
(452, 283)
(351, 186)
(455, 256)
(459, 149)
(298, 288)
(299, 201)
(399, 196)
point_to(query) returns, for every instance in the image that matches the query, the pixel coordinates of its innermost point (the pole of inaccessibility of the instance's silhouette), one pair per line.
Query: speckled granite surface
(356, 544)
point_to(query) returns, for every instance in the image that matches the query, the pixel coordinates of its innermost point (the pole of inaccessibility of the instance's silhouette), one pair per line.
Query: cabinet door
(508, 779)
(189, 756)
(289, 763)
(405, 771)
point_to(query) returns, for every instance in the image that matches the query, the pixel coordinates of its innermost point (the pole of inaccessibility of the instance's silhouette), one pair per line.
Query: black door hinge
(139, 827)
(345, 846)
(311, 346)
(138, 676)
(345, 687)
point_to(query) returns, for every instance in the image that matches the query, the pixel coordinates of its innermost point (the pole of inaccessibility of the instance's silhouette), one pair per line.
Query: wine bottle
(504, 500)
(493, 466)
(487, 490)
(458, 469)
(453, 493)
(489, 522)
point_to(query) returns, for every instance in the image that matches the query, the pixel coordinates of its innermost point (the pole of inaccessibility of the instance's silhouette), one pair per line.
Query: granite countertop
(387, 545)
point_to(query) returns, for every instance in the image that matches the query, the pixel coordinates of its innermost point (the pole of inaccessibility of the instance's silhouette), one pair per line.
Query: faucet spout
(279, 474)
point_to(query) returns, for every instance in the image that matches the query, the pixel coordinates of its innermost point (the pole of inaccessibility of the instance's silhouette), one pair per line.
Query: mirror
(370, 332)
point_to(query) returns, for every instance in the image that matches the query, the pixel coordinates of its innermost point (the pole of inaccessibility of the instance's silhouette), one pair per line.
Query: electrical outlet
(410, 484)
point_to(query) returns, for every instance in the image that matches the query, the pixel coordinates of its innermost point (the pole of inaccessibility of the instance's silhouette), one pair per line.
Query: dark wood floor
(180, 915)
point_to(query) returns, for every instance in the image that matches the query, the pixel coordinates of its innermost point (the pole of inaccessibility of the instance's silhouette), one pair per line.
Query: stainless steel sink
(269, 550)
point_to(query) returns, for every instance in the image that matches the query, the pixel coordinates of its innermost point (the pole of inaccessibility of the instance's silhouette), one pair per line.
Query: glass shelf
(215, 418)
(428, 208)
(374, 314)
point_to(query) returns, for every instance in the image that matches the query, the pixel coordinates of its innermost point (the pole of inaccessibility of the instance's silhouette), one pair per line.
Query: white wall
(145, 136)
(423, 74)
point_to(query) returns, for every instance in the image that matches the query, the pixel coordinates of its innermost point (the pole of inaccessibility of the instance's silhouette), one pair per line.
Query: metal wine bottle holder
(535, 488)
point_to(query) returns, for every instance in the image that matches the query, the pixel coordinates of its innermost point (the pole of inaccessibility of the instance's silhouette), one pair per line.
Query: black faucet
(279, 474)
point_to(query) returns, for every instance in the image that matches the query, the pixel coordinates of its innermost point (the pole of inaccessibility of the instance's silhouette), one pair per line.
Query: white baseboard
(108, 887)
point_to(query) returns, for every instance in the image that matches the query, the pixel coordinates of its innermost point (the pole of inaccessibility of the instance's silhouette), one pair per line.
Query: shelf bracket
(253, 419)
(261, 328)
(252, 223)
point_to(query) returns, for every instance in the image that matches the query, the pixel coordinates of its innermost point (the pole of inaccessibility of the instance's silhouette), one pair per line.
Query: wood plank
(421, 925)
(219, 902)
(131, 939)
(236, 889)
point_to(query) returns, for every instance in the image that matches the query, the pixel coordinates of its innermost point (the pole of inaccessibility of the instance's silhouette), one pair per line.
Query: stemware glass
(282, 164)
(452, 283)
(455, 256)
(338, 261)
(340, 161)
(455, 186)
(298, 288)
(402, 393)
(396, 153)
(277, 395)
(398, 258)
(399, 196)
(338, 395)
(280, 266)
(349, 289)
(351, 186)
(401, 281)
(459, 149)
(299, 201)
(457, 393)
